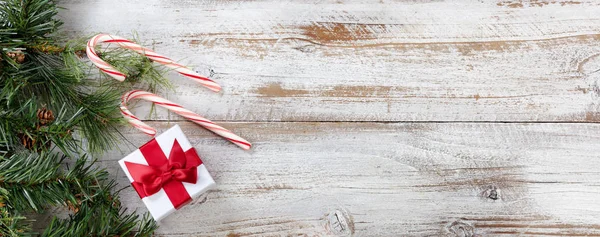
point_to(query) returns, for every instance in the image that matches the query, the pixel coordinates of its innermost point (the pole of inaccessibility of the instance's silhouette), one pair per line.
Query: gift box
(167, 173)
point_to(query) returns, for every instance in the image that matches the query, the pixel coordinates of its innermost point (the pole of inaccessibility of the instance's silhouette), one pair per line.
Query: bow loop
(177, 158)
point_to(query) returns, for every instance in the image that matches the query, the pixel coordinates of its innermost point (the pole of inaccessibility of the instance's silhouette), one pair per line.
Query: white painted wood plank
(369, 61)
(389, 179)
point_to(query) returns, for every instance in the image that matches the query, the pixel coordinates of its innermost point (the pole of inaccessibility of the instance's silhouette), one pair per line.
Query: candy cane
(136, 122)
(125, 43)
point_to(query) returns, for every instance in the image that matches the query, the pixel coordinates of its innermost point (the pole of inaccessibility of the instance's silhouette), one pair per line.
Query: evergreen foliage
(54, 109)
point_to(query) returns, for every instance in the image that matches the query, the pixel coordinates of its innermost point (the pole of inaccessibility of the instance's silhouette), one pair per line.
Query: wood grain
(369, 61)
(378, 118)
(390, 179)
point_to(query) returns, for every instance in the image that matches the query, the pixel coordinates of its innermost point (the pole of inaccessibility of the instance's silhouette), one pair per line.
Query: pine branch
(39, 77)
(11, 223)
(101, 216)
(22, 128)
(26, 21)
(46, 78)
(101, 115)
(34, 181)
(142, 73)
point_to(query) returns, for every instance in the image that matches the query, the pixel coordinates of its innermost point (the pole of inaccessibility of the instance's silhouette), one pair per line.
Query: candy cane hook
(125, 43)
(178, 109)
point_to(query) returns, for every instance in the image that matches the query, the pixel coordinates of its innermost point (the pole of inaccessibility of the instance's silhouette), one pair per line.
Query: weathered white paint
(369, 61)
(316, 63)
(389, 179)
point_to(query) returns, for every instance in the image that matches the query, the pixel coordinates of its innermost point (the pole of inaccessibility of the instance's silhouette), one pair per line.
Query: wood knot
(460, 229)
(201, 199)
(339, 223)
(205, 70)
(492, 193)
(306, 48)
(589, 64)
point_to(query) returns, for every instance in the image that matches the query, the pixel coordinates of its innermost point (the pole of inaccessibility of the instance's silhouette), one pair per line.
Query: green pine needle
(55, 107)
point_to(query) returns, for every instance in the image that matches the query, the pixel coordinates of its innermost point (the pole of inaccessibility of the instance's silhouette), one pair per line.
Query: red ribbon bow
(162, 173)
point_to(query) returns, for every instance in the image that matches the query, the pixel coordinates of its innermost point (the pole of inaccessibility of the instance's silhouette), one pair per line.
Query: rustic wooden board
(370, 61)
(378, 118)
(390, 179)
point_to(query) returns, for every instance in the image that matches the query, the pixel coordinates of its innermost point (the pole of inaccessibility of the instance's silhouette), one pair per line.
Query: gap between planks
(387, 122)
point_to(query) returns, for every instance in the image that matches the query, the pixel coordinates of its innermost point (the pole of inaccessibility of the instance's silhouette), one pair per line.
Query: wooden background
(378, 118)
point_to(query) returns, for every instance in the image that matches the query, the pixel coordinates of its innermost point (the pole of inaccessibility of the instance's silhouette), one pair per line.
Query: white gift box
(160, 203)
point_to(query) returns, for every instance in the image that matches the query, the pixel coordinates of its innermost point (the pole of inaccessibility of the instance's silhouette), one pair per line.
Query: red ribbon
(162, 173)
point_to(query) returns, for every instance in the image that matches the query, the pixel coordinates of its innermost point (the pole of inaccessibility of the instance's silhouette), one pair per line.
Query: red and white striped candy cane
(125, 43)
(136, 122)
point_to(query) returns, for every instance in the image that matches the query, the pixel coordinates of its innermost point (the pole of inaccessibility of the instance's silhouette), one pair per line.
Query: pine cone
(45, 116)
(33, 144)
(18, 56)
(27, 141)
(74, 207)
(81, 53)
